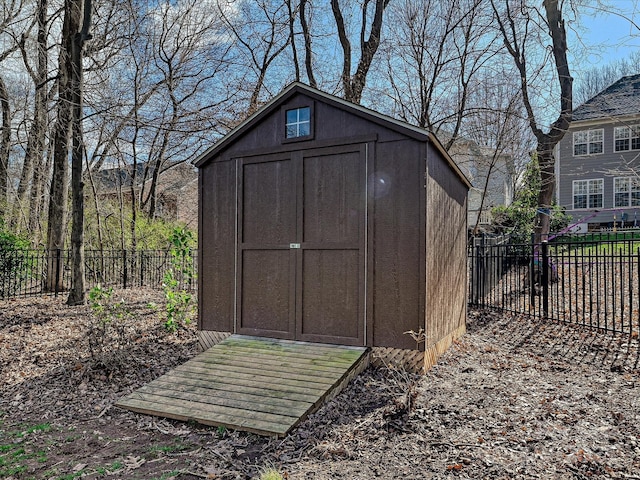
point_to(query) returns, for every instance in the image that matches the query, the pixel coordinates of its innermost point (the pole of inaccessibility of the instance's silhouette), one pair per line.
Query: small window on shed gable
(298, 122)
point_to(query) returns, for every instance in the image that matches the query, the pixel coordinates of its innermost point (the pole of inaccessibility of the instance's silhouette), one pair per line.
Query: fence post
(124, 269)
(532, 276)
(482, 271)
(545, 278)
(141, 266)
(57, 276)
(476, 271)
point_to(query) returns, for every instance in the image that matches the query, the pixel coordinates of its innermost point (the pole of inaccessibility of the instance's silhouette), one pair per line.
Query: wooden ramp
(255, 384)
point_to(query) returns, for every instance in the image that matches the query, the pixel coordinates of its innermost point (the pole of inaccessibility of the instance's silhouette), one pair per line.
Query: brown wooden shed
(324, 221)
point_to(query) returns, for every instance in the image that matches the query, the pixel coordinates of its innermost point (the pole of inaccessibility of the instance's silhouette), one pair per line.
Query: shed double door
(301, 249)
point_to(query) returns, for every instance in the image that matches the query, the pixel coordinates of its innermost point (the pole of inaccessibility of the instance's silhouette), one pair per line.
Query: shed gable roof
(393, 124)
(620, 98)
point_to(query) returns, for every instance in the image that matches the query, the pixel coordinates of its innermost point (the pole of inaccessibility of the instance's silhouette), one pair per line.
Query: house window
(626, 138)
(588, 142)
(588, 193)
(298, 122)
(626, 192)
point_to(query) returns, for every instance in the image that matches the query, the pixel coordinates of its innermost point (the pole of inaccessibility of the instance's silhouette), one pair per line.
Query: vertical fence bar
(141, 264)
(124, 269)
(638, 290)
(532, 278)
(58, 266)
(630, 284)
(545, 278)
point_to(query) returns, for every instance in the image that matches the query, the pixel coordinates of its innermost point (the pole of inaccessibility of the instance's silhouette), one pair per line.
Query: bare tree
(353, 83)
(36, 137)
(518, 26)
(77, 294)
(187, 63)
(308, 49)
(292, 13)
(174, 56)
(441, 47)
(502, 142)
(59, 189)
(33, 176)
(262, 28)
(9, 11)
(5, 145)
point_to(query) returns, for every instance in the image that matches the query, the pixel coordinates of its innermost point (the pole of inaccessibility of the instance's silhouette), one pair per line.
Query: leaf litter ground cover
(514, 398)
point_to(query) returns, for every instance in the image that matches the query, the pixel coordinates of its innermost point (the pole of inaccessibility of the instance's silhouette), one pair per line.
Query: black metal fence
(40, 272)
(591, 279)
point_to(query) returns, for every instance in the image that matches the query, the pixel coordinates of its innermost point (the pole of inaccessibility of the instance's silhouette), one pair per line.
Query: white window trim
(629, 192)
(297, 124)
(573, 195)
(631, 137)
(588, 132)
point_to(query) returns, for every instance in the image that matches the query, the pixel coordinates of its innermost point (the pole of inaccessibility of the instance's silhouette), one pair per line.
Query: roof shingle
(621, 98)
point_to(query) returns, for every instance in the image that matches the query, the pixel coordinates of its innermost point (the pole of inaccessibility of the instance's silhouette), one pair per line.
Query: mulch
(514, 398)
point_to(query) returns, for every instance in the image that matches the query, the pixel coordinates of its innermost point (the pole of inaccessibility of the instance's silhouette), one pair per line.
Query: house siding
(607, 166)
(477, 163)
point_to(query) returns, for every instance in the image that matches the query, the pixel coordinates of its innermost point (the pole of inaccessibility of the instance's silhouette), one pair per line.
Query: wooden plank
(342, 361)
(264, 374)
(230, 386)
(222, 387)
(257, 395)
(271, 364)
(276, 390)
(212, 409)
(314, 361)
(265, 342)
(255, 379)
(255, 403)
(188, 413)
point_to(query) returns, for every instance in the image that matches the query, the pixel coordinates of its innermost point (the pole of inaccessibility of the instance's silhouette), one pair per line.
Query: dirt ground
(514, 398)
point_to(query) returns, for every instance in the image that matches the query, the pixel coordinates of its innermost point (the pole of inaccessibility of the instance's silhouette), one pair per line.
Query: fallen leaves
(514, 398)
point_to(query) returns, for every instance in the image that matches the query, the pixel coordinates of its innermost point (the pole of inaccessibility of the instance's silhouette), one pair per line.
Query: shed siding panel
(217, 247)
(330, 123)
(268, 203)
(332, 199)
(330, 299)
(266, 294)
(446, 250)
(397, 187)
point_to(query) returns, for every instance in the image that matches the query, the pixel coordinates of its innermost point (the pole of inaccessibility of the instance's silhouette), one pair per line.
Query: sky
(608, 36)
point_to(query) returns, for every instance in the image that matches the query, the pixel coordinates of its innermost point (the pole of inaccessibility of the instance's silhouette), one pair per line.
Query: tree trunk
(77, 294)
(308, 52)
(294, 51)
(546, 142)
(31, 178)
(545, 197)
(57, 218)
(5, 144)
(353, 85)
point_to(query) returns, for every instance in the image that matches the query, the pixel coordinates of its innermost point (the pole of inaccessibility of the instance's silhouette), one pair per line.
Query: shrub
(16, 264)
(179, 303)
(108, 326)
(518, 218)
